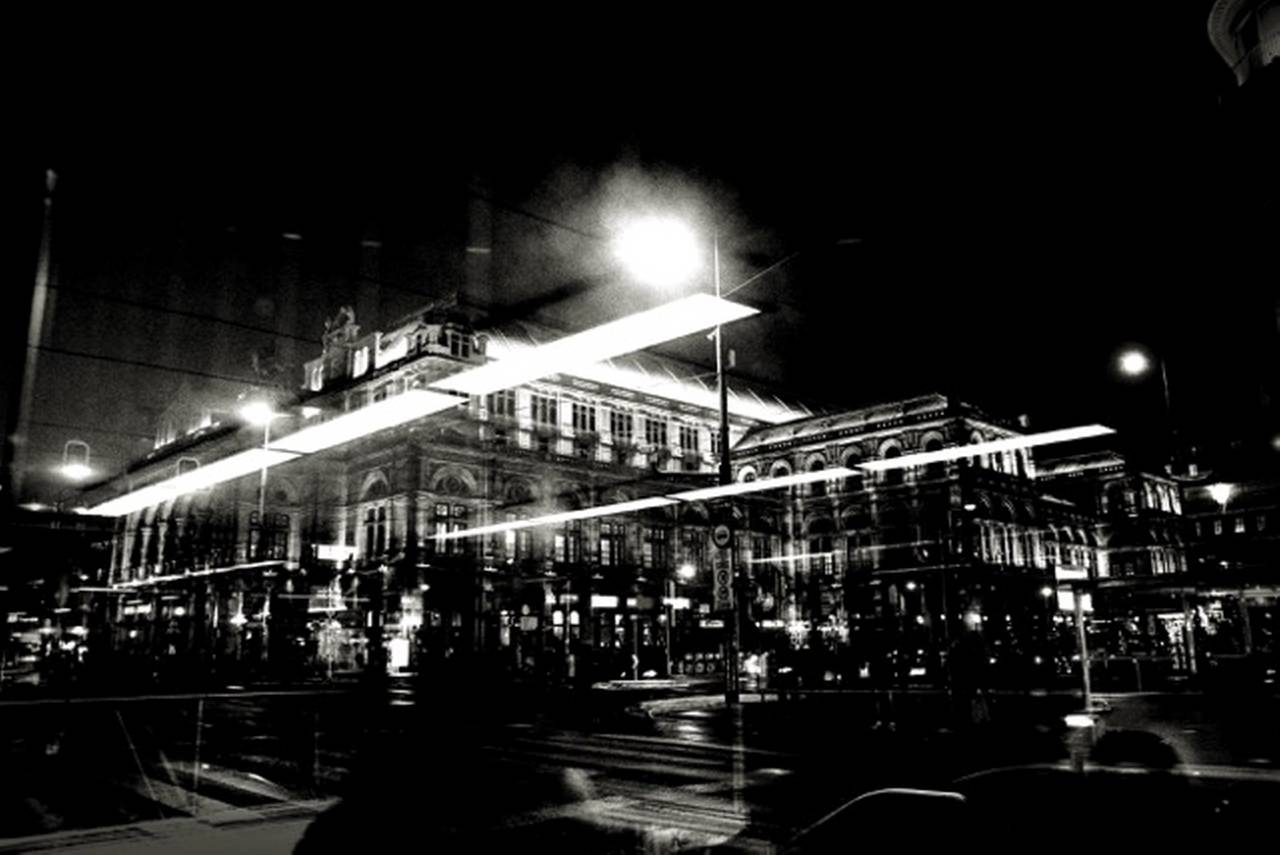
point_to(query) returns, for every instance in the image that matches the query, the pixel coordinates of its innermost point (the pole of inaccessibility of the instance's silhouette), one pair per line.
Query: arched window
(894, 475)
(780, 469)
(817, 488)
(939, 468)
(853, 481)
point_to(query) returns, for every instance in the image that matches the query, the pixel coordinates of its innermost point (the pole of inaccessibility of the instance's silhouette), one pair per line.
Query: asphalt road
(260, 773)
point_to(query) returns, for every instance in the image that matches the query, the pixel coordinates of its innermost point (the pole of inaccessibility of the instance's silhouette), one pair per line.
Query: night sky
(981, 205)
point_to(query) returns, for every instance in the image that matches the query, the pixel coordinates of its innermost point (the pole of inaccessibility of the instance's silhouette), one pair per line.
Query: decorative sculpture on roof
(342, 326)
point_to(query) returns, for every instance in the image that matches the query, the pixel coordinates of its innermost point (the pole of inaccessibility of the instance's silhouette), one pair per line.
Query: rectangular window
(655, 432)
(1239, 526)
(715, 442)
(610, 544)
(460, 345)
(584, 417)
(621, 426)
(501, 405)
(654, 552)
(545, 411)
(458, 523)
(568, 543)
(689, 448)
(692, 544)
(688, 439)
(1261, 522)
(361, 362)
(446, 519)
(317, 377)
(1217, 526)
(509, 539)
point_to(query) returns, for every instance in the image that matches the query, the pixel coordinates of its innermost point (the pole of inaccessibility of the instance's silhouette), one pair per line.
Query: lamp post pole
(262, 535)
(732, 625)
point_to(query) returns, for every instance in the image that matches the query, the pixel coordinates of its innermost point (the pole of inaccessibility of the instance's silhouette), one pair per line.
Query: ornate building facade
(323, 561)
(904, 574)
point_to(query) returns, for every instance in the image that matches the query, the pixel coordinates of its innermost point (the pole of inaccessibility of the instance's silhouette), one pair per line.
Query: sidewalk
(275, 829)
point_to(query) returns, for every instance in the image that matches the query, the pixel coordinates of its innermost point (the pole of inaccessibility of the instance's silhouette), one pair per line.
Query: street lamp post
(1137, 363)
(664, 252)
(261, 413)
(734, 641)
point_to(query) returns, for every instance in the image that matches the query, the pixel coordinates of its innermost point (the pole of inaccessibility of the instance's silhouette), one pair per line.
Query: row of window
(545, 412)
(1237, 525)
(565, 544)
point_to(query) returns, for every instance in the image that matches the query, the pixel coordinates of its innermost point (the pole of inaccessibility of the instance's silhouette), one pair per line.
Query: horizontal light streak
(783, 559)
(227, 469)
(995, 446)
(378, 416)
(195, 574)
(625, 335)
(763, 484)
(635, 332)
(756, 486)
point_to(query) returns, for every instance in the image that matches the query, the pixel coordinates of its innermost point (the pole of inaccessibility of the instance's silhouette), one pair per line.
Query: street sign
(720, 536)
(722, 579)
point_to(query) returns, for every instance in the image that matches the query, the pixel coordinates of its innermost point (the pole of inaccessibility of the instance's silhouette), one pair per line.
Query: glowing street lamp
(1135, 363)
(687, 572)
(1222, 493)
(258, 413)
(75, 460)
(659, 251)
(664, 252)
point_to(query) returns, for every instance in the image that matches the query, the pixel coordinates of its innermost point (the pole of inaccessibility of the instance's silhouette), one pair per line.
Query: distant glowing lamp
(687, 572)
(1221, 493)
(1135, 363)
(659, 251)
(258, 413)
(1046, 592)
(76, 471)
(75, 460)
